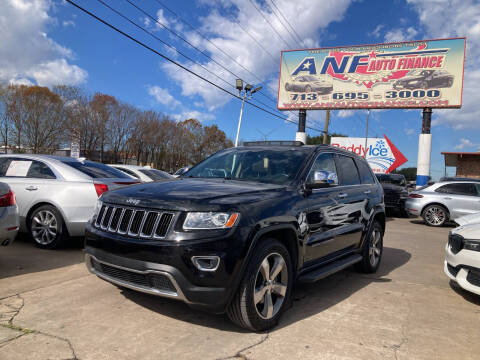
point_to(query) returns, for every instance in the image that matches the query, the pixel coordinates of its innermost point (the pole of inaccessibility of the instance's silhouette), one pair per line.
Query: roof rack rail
(453, 178)
(273, 143)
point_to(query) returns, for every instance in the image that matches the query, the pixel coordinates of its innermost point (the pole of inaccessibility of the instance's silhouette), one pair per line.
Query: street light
(244, 93)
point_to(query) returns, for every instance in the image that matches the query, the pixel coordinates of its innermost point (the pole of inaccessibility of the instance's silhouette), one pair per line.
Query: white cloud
(345, 113)
(226, 34)
(409, 131)
(465, 143)
(67, 23)
(376, 31)
(162, 96)
(443, 19)
(27, 53)
(401, 34)
(194, 114)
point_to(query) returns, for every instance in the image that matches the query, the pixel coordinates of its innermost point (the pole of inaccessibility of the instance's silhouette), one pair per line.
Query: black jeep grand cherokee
(234, 233)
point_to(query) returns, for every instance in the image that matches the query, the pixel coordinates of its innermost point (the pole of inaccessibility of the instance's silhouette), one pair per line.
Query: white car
(462, 261)
(9, 222)
(142, 173)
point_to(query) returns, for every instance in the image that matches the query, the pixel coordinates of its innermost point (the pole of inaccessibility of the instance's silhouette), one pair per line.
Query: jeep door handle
(31, 188)
(342, 195)
(367, 191)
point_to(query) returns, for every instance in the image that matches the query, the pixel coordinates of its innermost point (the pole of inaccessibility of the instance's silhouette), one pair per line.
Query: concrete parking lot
(52, 308)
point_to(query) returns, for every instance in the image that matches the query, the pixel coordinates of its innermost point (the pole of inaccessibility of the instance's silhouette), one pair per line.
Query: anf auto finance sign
(416, 74)
(381, 154)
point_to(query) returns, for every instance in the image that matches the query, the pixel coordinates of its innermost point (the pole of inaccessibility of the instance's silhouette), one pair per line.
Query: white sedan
(142, 173)
(462, 261)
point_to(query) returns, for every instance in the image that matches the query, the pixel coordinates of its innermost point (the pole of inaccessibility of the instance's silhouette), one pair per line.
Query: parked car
(308, 84)
(424, 79)
(395, 192)
(9, 222)
(181, 171)
(142, 173)
(234, 233)
(444, 201)
(462, 260)
(57, 195)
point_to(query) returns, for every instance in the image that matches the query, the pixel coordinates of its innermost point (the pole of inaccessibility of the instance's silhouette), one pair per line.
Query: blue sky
(51, 42)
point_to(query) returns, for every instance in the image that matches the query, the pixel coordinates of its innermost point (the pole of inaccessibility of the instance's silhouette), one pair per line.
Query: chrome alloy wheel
(435, 215)
(44, 227)
(270, 286)
(375, 249)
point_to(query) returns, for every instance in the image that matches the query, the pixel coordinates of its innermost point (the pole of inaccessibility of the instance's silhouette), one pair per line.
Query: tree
(102, 107)
(317, 140)
(410, 173)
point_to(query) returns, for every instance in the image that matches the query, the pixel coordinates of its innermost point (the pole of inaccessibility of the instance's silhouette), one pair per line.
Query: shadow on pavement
(308, 300)
(421, 222)
(23, 257)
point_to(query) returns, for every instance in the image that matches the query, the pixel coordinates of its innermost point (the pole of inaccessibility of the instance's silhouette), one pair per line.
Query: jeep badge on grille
(132, 201)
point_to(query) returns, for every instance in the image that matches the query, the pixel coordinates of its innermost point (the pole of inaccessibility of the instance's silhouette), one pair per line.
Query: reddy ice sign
(381, 154)
(417, 74)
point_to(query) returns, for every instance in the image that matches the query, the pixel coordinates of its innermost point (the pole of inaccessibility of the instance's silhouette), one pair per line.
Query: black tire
(435, 215)
(372, 242)
(37, 224)
(243, 310)
(308, 89)
(287, 87)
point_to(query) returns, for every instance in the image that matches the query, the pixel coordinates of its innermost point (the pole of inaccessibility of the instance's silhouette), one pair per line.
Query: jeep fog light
(206, 263)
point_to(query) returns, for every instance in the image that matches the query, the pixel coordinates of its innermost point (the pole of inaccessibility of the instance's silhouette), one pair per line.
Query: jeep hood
(193, 194)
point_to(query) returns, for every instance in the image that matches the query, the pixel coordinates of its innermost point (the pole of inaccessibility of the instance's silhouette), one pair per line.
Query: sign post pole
(424, 149)
(366, 134)
(302, 120)
(327, 122)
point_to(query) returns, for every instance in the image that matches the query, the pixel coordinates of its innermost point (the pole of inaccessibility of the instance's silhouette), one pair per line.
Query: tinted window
(20, 167)
(155, 174)
(96, 170)
(323, 162)
(366, 176)
(40, 170)
(347, 171)
(458, 189)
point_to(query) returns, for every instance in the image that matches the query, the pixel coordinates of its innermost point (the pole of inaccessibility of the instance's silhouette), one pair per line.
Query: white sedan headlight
(209, 220)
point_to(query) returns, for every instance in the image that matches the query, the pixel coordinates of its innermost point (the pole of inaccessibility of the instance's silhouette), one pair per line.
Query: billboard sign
(415, 74)
(382, 156)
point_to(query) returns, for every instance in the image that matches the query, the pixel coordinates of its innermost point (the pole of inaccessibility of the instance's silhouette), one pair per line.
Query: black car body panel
(317, 225)
(394, 190)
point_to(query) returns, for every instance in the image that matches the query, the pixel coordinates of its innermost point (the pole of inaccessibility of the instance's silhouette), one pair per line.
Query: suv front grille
(134, 222)
(147, 280)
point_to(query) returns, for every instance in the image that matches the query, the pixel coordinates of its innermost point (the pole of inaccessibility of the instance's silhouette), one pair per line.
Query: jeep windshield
(273, 166)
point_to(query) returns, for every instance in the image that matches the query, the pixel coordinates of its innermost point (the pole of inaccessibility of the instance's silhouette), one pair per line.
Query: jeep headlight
(209, 220)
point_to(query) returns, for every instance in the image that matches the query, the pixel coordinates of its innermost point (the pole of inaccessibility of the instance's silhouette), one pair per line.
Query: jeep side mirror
(321, 179)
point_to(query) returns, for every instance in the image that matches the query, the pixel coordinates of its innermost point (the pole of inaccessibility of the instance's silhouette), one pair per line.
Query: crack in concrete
(396, 347)
(25, 331)
(239, 354)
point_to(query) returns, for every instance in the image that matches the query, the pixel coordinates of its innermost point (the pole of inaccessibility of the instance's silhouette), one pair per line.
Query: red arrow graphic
(399, 158)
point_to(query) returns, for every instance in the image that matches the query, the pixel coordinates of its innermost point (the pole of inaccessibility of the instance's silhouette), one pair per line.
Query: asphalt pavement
(52, 308)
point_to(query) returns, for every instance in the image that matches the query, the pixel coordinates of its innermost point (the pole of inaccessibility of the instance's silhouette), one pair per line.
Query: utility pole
(327, 122)
(366, 134)
(247, 94)
(302, 121)
(424, 149)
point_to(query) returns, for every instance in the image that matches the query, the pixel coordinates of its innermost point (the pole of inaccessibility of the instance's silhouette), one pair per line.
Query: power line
(175, 62)
(163, 42)
(284, 18)
(269, 23)
(194, 47)
(281, 23)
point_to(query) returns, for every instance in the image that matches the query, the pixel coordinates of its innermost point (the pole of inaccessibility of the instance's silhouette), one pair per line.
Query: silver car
(8, 215)
(56, 195)
(142, 173)
(444, 201)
